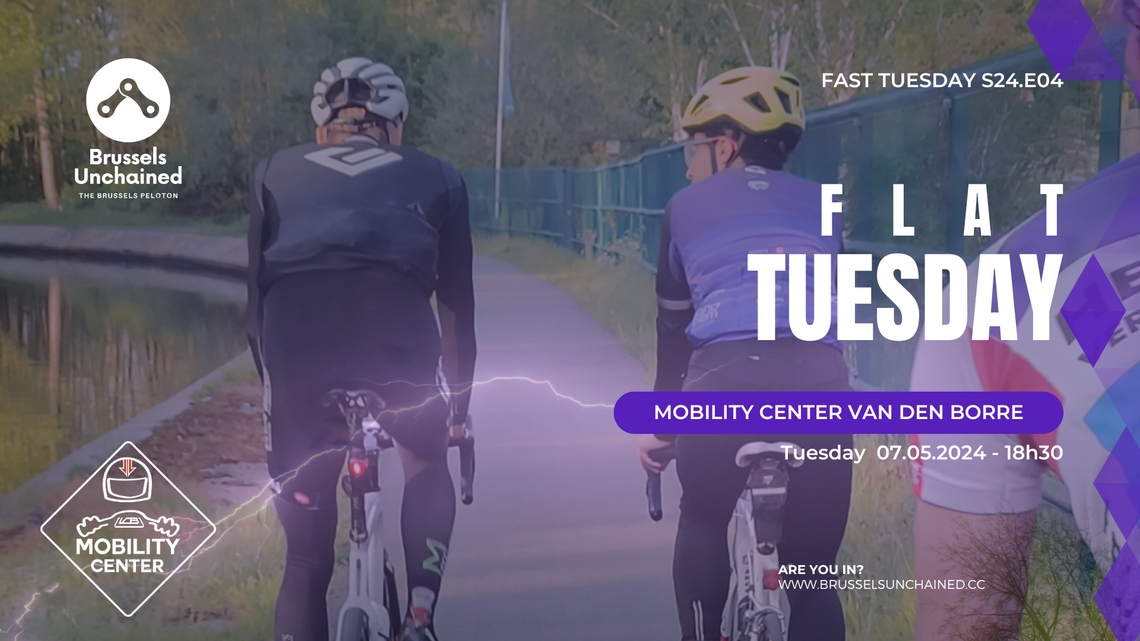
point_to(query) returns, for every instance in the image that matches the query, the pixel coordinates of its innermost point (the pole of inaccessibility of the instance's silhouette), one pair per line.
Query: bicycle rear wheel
(771, 628)
(354, 626)
(391, 598)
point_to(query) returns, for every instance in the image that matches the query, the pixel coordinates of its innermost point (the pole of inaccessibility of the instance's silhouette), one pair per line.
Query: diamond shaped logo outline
(213, 528)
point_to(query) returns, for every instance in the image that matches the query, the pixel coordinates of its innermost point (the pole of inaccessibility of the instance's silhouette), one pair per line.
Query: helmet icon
(127, 480)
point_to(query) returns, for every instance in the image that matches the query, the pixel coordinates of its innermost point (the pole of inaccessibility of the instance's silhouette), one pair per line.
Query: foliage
(584, 72)
(1041, 570)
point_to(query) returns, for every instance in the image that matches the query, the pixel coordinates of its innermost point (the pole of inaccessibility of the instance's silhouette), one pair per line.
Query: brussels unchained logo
(128, 529)
(128, 100)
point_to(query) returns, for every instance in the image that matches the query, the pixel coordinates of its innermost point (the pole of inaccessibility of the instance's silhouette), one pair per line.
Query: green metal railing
(934, 141)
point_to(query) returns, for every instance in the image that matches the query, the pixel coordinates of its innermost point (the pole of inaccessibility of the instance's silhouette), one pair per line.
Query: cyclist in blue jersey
(743, 125)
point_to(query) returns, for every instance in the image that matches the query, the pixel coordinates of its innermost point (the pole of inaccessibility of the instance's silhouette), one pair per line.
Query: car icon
(129, 520)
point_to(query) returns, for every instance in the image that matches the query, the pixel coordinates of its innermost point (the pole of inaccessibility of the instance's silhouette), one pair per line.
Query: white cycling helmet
(359, 82)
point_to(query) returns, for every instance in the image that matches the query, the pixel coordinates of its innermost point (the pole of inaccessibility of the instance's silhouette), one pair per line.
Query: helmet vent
(756, 100)
(791, 80)
(785, 100)
(700, 103)
(733, 81)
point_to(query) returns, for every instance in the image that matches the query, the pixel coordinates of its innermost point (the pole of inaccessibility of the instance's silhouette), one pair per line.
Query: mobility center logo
(128, 100)
(130, 531)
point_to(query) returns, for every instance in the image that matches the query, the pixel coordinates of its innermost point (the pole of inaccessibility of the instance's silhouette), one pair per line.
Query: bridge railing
(935, 141)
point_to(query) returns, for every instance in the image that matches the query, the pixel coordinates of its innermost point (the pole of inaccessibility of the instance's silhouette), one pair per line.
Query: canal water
(86, 347)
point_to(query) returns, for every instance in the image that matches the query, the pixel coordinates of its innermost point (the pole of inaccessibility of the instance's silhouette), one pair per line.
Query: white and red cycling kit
(1100, 217)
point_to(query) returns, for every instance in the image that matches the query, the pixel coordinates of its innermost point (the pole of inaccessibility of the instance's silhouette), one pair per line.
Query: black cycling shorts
(363, 329)
(819, 492)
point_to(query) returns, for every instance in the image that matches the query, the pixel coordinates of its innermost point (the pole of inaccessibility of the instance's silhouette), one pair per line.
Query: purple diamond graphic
(1093, 61)
(1060, 41)
(1119, 596)
(1055, 11)
(1126, 222)
(1093, 310)
(1117, 483)
(1135, 85)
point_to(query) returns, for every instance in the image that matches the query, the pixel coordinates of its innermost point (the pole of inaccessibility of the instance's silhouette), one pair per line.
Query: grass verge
(96, 215)
(227, 592)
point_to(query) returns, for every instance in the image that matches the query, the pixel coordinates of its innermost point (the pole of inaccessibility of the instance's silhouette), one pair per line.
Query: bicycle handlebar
(466, 445)
(653, 482)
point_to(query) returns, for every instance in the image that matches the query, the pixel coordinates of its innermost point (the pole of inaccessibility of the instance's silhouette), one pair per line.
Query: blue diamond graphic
(1093, 61)
(1119, 483)
(1060, 41)
(1119, 596)
(1056, 11)
(1093, 310)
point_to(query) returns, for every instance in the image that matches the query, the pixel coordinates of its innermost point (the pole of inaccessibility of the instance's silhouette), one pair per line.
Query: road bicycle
(757, 607)
(372, 610)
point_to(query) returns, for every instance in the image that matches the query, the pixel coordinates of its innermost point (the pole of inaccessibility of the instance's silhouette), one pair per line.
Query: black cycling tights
(819, 492)
(427, 518)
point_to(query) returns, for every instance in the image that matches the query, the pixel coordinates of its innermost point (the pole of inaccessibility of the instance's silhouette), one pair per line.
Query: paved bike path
(557, 545)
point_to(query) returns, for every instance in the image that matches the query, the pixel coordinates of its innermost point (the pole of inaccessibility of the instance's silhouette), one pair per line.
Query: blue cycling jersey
(717, 223)
(708, 232)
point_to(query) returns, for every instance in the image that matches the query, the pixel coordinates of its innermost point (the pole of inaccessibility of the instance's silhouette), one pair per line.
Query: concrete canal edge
(183, 251)
(179, 251)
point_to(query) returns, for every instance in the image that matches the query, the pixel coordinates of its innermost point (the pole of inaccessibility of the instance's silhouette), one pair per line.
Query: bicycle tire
(391, 599)
(355, 626)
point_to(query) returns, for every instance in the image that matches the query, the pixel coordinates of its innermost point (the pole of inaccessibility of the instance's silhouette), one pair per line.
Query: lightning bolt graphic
(19, 622)
(233, 519)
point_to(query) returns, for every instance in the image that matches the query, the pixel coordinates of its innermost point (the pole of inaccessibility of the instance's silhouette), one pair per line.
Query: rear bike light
(771, 579)
(358, 468)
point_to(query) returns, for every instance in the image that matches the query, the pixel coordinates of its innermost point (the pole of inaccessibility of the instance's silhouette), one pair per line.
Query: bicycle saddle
(355, 403)
(752, 452)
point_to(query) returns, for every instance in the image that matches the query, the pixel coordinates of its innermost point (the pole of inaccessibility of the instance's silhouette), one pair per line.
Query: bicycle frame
(373, 603)
(757, 608)
(755, 595)
(367, 582)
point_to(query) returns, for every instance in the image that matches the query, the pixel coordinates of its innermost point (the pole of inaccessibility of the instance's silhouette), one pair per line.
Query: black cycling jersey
(364, 205)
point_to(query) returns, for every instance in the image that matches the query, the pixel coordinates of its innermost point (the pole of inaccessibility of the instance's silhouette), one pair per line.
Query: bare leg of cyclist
(427, 518)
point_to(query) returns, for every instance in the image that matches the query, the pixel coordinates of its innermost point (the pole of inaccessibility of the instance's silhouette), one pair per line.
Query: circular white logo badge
(128, 100)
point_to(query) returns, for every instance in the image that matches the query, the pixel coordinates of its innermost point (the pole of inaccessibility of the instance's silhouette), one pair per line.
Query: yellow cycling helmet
(757, 100)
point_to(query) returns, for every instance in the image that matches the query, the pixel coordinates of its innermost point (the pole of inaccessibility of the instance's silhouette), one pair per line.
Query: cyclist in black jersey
(348, 240)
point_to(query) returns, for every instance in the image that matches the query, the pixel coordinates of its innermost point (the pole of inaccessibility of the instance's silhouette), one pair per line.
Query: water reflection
(81, 355)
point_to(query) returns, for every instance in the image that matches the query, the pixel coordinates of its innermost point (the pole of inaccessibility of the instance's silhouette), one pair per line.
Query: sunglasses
(690, 147)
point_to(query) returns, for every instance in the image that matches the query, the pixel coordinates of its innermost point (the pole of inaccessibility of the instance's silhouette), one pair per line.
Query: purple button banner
(838, 412)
